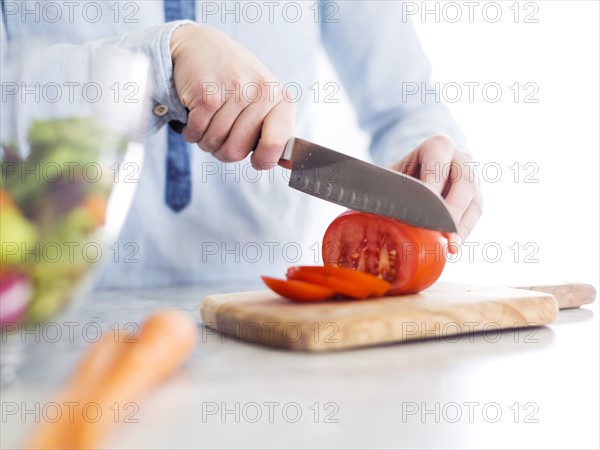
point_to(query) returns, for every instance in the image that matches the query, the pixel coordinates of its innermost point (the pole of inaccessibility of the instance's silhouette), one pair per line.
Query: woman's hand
(450, 173)
(235, 104)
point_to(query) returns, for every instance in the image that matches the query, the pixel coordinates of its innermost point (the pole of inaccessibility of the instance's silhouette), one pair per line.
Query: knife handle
(569, 295)
(178, 127)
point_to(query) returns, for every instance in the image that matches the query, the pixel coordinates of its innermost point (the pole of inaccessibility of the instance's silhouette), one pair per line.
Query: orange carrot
(6, 200)
(166, 340)
(94, 365)
(96, 206)
(123, 375)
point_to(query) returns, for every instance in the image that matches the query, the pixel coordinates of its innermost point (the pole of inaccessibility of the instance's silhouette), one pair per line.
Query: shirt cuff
(155, 43)
(167, 106)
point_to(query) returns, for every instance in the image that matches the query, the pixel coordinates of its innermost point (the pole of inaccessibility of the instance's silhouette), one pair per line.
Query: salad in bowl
(53, 207)
(63, 196)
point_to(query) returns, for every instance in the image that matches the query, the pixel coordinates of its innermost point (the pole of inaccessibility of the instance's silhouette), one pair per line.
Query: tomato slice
(348, 282)
(300, 291)
(409, 258)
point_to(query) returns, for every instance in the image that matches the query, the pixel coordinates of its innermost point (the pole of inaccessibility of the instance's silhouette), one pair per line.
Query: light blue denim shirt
(242, 223)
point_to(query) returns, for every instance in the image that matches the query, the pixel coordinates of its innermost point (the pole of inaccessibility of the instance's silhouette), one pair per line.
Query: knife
(355, 184)
(358, 185)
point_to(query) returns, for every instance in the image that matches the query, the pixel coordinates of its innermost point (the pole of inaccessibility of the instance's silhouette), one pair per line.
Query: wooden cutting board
(442, 311)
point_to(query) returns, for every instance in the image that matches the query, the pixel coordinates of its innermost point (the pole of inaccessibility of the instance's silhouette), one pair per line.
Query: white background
(558, 215)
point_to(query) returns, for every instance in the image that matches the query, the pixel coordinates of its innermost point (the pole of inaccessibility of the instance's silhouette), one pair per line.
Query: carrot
(96, 206)
(6, 200)
(166, 339)
(94, 365)
(120, 373)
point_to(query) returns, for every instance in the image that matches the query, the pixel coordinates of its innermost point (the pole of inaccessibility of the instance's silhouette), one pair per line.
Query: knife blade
(359, 185)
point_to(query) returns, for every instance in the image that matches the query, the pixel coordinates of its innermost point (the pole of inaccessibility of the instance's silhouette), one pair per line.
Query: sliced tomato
(300, 291)
(348, 282)
(409, 258)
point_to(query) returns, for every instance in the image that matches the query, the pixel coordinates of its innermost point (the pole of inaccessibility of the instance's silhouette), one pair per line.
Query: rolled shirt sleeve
(154, 43)
(65, 65)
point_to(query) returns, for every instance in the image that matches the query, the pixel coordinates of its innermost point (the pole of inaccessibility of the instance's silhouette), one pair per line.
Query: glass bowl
(63, 196)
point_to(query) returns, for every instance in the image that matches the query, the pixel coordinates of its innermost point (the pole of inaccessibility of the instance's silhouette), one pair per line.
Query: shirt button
(160, 110)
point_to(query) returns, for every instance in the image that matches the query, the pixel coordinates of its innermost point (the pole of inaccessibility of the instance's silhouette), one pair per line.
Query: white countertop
(534, 388)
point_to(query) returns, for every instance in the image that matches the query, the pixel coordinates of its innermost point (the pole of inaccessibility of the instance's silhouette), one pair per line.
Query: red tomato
(300, 291)
(343, 281)
(410, 258)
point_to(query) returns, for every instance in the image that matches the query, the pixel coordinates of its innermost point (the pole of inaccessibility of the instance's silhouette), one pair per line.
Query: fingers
(465, 203)
(470, 218)
(444, 169)
(463, 199)
(235, 102)
(198, 121)
(239, 126)
(243, 136)
(220, 126)
(439, 164)
(277, 129)
(461, 189)
(264, 126)
(435, 155)
(408, 165)
(267, 136)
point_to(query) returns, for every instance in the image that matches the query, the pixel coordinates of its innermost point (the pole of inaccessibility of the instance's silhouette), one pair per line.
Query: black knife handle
(178, 126)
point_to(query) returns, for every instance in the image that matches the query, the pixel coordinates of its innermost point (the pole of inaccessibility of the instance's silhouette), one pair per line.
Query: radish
(15, 294)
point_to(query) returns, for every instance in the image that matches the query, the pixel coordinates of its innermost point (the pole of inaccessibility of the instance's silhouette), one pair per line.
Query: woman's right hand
(235, 103)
